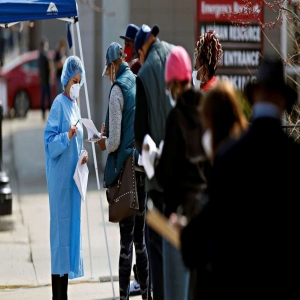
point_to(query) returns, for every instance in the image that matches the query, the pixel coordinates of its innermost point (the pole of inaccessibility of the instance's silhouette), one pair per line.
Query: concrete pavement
(25, 271)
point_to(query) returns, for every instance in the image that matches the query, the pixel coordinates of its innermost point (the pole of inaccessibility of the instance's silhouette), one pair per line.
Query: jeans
(46, 95)
(176, 275)
(59, 88)
(155, 251)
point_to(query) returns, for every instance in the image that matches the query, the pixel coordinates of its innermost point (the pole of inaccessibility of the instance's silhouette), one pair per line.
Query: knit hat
(178, 65)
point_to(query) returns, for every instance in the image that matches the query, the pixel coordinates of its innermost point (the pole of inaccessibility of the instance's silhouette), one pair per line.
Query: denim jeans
(176, 275)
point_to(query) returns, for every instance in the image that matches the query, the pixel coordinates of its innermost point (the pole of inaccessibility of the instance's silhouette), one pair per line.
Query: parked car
(20, 84)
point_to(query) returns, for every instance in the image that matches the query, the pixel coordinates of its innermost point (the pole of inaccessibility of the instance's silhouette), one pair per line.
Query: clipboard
(94, 139)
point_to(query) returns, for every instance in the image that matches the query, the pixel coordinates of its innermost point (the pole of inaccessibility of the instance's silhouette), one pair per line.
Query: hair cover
(178, 65)
(72, 66)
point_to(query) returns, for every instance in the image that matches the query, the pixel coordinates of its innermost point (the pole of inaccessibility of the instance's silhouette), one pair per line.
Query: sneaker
(134, 288)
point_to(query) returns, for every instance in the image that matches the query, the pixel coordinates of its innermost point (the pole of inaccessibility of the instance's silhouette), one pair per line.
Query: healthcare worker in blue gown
(63, 142)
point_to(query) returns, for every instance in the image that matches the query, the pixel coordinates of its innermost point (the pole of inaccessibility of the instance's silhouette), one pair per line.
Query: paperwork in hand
(149, 152)
(81, 176)
(93, 134)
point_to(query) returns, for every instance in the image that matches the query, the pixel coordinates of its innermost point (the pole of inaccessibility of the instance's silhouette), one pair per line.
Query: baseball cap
(178, 65)
(143, 35)
(113, 52)
(131, 31)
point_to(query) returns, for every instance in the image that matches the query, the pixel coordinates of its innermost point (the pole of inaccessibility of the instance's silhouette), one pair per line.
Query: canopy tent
(15, 11)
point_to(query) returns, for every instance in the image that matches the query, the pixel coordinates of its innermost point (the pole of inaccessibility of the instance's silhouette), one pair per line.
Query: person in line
(63, 143)
(252, 219)
(152, 109)
(44, 72)
(223, 121)
(59, 59)
(134, 64)
(207, 57)
(177, 169)
(131, 57)
(222, 117)
(118, 140)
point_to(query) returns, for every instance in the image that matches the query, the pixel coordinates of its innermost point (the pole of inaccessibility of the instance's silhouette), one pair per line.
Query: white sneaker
(134, 288)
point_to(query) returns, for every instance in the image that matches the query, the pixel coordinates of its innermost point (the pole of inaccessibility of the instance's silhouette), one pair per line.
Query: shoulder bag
(122, 194)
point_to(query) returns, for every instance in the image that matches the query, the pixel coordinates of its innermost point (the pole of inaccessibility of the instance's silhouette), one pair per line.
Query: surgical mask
(128, 51)
(207, 143)
(197, 83)
(74, 91)
(172, 101)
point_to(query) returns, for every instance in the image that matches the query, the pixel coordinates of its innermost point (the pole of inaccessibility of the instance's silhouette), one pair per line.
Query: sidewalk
(25, 271)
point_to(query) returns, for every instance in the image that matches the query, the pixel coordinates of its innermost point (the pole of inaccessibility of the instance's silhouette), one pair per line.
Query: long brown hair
(222, 113)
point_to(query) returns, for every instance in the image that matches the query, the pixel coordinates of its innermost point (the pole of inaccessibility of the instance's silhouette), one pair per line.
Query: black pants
(132, 230)
(59, 287)
(155, 251)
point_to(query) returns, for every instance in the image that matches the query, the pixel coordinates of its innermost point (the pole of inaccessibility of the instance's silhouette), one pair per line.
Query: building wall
(175, 18)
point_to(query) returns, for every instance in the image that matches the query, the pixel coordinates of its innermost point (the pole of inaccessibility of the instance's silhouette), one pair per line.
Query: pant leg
(126, 227)
(59, 287)
(142, 263)
(156, 259)
(49, 95)
(59, 88)
(175, 274)
(64, 287)
(150, 275)
(55, 286)
(43, 99)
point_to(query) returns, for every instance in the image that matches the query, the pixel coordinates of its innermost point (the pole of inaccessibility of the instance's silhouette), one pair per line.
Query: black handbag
(122, 195)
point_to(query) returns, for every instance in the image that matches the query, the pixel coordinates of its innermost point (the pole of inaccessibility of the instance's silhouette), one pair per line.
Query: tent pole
(86, 206)
(95, 163)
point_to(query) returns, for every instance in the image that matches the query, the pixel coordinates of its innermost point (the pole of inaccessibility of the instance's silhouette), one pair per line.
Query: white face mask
(172, 101)
(74, 91)
(197, 83)
(207, 143)
(195, 80)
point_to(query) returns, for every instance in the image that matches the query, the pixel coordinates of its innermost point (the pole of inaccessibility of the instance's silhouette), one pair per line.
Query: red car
(20, 84)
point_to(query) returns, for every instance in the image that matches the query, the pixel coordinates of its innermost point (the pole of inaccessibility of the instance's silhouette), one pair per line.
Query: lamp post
(5, 190)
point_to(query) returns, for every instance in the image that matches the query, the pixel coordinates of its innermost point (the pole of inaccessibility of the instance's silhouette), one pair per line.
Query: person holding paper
(118, 140)
(63, 143)
(179, 166)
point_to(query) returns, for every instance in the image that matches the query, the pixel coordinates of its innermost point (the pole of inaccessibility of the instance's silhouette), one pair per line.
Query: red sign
(222, 10)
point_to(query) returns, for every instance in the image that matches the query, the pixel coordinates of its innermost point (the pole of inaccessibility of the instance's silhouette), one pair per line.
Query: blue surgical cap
(72, 67)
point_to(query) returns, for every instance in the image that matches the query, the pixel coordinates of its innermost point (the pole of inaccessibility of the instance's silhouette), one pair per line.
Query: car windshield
(33, 64)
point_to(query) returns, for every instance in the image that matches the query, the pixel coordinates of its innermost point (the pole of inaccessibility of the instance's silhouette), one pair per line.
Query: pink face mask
(128, 51)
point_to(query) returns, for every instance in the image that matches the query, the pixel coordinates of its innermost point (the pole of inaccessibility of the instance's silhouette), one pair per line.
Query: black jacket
(178, 168)
(248, 233)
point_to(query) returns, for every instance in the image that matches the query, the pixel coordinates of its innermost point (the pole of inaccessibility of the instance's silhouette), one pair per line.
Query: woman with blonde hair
(222, 116)
(224, 121)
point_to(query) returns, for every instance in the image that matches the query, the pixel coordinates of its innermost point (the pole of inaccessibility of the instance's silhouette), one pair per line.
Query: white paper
(81, 175)
(148, 156)
(93, 133)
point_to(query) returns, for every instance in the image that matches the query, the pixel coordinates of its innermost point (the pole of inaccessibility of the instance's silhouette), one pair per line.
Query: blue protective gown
(64, 197)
